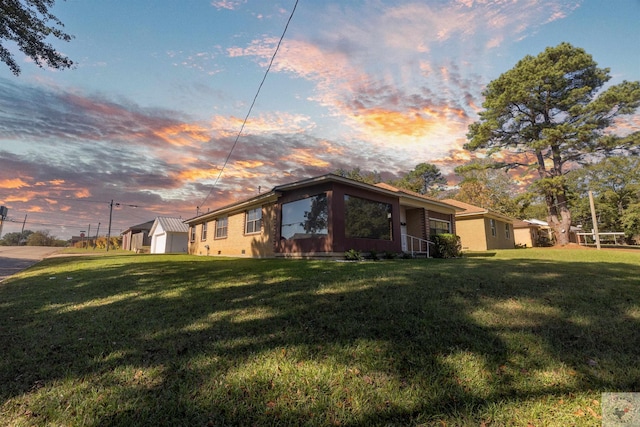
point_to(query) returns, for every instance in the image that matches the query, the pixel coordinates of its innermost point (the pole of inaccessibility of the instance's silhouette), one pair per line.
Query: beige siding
(475, 234)
(525, 236)
(237, 243)
(472, 233)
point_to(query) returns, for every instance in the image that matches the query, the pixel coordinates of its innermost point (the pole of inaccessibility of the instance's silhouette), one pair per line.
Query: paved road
(16, 258)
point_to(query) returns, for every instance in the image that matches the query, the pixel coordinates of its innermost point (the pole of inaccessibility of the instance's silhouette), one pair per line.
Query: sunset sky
(153, 106)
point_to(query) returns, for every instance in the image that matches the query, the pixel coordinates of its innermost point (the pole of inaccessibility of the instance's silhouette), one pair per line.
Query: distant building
(136, 237)
(482, 229)
(169, 235)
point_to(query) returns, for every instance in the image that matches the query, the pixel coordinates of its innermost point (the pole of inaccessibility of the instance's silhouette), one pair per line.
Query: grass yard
(523, 338)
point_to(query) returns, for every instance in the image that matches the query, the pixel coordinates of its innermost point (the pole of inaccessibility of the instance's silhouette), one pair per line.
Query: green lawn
(522, 337)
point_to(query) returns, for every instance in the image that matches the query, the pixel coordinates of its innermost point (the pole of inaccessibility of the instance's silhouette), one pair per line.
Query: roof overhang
(406, 199)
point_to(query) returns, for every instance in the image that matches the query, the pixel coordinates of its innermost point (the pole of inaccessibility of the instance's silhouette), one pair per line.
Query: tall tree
(15, 238)
(488, 187)
(425, 178)
(549, 113)
(615, 183)
(28, 23)
(359, 175)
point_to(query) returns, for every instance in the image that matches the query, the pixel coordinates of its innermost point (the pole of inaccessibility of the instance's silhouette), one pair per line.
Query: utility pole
(109, 231)
(95, 241)
(88, 235)
(594, 220)
(111, 215)
(22, 231)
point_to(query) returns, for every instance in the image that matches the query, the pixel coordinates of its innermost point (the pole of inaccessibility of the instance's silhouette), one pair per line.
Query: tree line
(31, 238)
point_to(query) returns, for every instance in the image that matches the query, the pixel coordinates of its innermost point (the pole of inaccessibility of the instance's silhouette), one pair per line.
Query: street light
(110, 216)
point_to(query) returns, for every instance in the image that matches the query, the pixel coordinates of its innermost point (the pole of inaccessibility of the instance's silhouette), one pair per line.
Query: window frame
(192, 234)
(218, 233)
(507, 231)
(443, 221)
(385, 235)
(203, 232)
(255, 222)
(288, 219)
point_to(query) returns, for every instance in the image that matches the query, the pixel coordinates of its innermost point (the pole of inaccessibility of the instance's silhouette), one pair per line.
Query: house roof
(170, 225)
(473, 210)
(273, 194)
(140, 227)
(413, 194)
(529, 223)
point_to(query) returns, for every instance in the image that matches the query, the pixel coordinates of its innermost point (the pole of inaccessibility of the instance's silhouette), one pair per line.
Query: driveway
(16, 258)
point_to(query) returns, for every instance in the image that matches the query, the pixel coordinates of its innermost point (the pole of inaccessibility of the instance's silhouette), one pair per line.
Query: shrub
(353, 255)
(446, 246)
(390, 255)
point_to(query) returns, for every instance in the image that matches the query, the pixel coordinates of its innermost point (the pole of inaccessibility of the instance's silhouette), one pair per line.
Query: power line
(244, 122)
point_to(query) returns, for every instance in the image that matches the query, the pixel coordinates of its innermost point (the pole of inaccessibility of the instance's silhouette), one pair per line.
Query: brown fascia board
(478, 211)
(261, 198)
(277, 190)
(386, 189)
(417, 196)
(487, 213)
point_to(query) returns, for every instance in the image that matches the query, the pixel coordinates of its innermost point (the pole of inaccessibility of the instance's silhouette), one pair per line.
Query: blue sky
(150, 112)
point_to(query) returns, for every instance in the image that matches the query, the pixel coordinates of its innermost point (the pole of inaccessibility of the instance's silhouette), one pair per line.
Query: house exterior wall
(416, 223)
(500, 240)
(126, 241)
(312, 245)
(333, 242)
(472, 232)
(475, 234)
(176, 243)
(138, 241)
(342, 243)
(525, 236)
(237, 243)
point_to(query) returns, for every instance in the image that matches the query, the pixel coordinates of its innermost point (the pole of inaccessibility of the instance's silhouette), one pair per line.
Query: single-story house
(323, 216)
(169, 235)
(134, 238)
(532, 233)
(481, 229)
(535, 233)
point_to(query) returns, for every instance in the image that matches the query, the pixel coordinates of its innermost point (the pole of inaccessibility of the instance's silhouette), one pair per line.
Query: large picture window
(305, 218)
(222, 225)
(253, 221)
(367, 219)
(439, 227)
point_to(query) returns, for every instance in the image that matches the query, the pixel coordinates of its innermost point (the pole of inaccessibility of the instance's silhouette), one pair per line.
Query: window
(492, 223)
(437, 226)
(222, 225)
(253, 221)
(203, 234)
(192, 236)
(367, 219)
(305, 218)
(507, 231)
